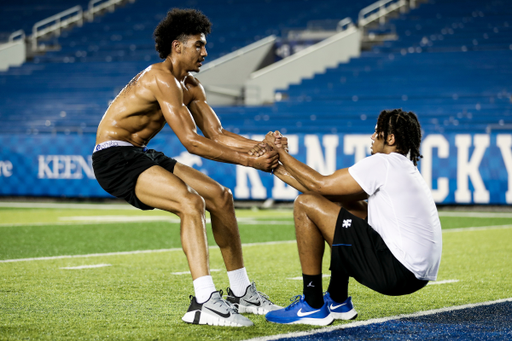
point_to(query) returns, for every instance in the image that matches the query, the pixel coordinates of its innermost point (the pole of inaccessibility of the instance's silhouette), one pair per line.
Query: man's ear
(391, 140)
(177, 46)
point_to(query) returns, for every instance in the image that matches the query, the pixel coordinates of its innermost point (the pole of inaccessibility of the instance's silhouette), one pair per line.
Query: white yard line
(378, 320)
(188, 272)
(72, 206)
(475, 214)
(95, 222)
(300, 278)
(211, 247)
(127, 252)
(478, 228)
(129, 207)
(443, 282)
(117, 218)
(85, 267)
(429, 283)
(109, 219)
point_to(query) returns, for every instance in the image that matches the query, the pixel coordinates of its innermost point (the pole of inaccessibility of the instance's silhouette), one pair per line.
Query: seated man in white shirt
(391, 244)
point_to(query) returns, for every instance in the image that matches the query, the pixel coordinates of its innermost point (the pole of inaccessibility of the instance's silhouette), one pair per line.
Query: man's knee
(306, 202)
(192, 204)
(222, 200)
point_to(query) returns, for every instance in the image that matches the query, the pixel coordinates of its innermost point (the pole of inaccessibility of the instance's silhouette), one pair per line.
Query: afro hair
(178, 24)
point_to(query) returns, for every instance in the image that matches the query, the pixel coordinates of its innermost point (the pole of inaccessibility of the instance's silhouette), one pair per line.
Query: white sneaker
(215, 312)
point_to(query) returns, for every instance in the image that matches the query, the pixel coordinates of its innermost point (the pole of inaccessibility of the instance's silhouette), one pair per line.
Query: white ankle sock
(203, 288)
(238, 281)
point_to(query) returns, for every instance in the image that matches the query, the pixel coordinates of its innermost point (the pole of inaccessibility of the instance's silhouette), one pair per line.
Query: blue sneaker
(299, 312)
(340, 311)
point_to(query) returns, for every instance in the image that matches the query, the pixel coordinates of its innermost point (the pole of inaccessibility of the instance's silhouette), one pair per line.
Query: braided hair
(406, 128)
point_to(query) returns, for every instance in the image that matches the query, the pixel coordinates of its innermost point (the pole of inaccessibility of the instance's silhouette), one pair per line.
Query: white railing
(343, 24)
(56, 23)
(379, 10)
(72, 16)
(96, 6)
(18, 34)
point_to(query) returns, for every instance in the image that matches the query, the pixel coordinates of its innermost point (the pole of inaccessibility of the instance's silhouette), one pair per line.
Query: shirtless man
(166, 92)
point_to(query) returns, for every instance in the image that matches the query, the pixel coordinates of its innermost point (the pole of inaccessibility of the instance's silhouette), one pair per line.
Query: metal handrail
(18, 33)
(384, 7)
(342, 23)
(59, 24)
(68, 17)
(103, 4)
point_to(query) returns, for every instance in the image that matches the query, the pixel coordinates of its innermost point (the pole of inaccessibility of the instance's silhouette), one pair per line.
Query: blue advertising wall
(460, 168)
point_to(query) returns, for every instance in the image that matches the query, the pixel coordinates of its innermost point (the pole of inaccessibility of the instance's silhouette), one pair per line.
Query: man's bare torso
(135, 115)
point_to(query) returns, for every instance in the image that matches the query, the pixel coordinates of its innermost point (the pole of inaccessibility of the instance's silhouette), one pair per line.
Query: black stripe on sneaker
(196, 317)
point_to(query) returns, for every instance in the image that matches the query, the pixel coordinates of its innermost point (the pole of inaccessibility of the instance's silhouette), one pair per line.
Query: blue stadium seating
(451, 65)
(70, 89)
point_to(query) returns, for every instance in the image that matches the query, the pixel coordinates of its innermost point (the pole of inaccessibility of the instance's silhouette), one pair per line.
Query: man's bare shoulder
(158, 72)
(194, 86)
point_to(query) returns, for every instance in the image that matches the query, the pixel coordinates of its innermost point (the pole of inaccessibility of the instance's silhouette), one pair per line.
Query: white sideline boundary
(121, 253)
(378, 320)
(9, 204)
(216, 247)
(71, 206)
(85, 267)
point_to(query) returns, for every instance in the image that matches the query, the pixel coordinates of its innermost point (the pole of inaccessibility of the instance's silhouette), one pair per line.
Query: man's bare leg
(315, 222)
(161, 189)
(315, 219)
(219, 202)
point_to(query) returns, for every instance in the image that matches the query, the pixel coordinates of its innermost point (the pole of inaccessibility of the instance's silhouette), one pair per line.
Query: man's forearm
(235, 141)
(216, 151)
(286, 177)
(306, 176)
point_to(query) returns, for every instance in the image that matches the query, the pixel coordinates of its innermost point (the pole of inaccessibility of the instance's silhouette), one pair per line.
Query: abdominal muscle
(136, 129)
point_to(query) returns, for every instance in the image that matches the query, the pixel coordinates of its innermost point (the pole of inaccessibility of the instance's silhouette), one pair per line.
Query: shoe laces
(265, 298)
(222, 301)
(295, 300)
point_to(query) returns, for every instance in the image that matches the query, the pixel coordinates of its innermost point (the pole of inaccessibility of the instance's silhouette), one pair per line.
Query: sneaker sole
(311, 321)
(349, 315)
(254, 310)
(198, 317)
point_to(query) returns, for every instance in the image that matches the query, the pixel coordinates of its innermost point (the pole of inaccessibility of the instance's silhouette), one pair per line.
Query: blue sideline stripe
(341, 244)
(490, 322)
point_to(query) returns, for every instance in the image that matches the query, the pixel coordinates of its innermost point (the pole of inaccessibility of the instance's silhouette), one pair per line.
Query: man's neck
(173, 67)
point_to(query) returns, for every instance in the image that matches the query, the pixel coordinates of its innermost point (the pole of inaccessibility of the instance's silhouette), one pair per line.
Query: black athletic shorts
(117, 170)
(358, 251)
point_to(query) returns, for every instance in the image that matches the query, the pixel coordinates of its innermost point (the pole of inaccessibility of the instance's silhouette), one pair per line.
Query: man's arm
(281, 172)
(304, 178)
(209, 123)
(170, 97)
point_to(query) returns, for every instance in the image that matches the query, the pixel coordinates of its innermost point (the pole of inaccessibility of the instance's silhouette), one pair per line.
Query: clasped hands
(268, 149)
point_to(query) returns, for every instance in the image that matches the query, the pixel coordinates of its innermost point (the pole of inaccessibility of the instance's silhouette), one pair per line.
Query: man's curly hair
(177, 25)
(406, 128)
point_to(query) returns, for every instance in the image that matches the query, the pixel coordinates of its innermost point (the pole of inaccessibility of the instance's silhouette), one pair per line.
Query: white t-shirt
(402, 211)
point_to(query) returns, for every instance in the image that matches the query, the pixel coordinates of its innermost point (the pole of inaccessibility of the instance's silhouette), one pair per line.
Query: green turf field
(143, 295)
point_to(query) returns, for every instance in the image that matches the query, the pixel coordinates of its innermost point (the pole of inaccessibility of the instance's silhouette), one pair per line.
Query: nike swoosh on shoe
(253, 303)
(225, 315)
(301, 314)
(336, 306)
